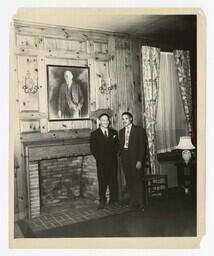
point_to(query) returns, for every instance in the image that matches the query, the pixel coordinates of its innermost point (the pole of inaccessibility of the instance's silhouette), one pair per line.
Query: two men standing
(131, 147)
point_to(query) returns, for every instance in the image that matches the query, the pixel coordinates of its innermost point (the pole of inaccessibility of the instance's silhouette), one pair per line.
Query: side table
(187, 177)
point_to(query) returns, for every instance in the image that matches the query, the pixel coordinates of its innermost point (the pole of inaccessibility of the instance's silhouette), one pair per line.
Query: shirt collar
(129, 126)
(103, 129)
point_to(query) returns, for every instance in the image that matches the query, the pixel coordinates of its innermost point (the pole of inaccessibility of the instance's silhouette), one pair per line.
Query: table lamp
(185, 143)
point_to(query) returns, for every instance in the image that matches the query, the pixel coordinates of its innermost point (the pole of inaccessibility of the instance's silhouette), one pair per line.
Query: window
(171, 121)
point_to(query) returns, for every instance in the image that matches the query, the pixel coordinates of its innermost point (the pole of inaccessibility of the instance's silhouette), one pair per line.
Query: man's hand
(79, 106)
(72, 106)
(138, 165)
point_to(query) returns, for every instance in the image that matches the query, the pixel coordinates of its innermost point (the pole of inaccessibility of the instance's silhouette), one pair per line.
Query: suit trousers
(133, 177)
(107, 177)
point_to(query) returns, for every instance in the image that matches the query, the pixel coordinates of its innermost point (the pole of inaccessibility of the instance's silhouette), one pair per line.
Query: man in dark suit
(104, 146)
(132, 151)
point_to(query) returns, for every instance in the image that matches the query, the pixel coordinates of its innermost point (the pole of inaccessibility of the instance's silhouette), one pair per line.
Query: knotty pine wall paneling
(113, 76)
(136, 72)
(17, 174)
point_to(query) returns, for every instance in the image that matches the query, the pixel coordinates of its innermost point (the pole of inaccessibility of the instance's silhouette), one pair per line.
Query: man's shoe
(101, 206)
(141, 208)
(133, 205)
(114, 204)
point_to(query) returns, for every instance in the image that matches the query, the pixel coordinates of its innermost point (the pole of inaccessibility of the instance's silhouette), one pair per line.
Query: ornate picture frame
(68, 92)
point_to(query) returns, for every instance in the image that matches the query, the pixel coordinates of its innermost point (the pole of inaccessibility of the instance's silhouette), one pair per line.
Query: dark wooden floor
(174, 217)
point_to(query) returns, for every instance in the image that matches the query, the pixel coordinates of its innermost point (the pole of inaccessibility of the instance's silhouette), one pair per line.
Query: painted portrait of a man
(68, 91)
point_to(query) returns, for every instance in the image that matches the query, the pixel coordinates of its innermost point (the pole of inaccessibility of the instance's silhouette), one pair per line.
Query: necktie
(127, 137)
(105, 133)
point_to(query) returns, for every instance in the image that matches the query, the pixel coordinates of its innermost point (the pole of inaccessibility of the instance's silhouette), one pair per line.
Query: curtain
(182, 61)
(171, 121)
(151, 65)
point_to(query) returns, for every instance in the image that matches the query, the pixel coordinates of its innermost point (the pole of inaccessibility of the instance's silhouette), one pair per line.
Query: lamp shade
(185, 143)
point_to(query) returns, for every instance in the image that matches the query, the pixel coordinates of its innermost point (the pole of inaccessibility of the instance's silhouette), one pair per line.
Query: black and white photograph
(104, 125)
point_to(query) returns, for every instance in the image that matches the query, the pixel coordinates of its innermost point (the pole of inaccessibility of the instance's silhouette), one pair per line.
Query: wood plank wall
(114, 56)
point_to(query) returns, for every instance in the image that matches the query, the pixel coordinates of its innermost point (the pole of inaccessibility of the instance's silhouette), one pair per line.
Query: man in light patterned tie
(132, 141)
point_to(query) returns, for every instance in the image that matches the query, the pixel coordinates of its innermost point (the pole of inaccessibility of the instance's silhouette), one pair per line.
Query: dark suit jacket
(137, 143)
(104, 148)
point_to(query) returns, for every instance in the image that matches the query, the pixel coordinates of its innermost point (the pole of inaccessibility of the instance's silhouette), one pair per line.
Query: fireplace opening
(65, 180)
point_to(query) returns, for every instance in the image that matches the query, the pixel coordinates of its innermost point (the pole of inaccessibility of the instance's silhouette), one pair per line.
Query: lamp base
(186, 154)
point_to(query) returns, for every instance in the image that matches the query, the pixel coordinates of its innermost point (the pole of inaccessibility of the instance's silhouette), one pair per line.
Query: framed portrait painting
(68, 92)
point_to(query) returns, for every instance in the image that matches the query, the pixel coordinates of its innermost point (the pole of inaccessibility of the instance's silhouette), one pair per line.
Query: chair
(155, 185)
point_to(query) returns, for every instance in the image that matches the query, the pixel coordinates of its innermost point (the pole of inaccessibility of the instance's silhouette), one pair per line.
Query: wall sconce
(185, 143)
(105, 87)
(30, 86)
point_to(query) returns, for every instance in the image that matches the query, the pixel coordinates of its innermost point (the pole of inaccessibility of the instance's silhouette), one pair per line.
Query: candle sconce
(30, 86)
(105, 87)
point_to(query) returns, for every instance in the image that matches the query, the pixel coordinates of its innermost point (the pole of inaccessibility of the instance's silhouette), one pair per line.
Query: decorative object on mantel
(105, 87)
(30, 86)
(185, 143)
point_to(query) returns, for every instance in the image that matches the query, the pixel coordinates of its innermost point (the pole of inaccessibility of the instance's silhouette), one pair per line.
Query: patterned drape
(182, 62)
(151, 67)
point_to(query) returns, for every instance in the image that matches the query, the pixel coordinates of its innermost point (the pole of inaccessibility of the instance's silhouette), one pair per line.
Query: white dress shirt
(104, 130)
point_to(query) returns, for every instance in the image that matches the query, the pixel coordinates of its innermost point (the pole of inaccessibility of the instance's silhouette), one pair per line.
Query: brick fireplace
(59, 179)
(58, 170)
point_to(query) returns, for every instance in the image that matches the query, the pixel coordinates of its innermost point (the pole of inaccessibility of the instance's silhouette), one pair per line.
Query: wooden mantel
(50, 137)
(56, 145)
